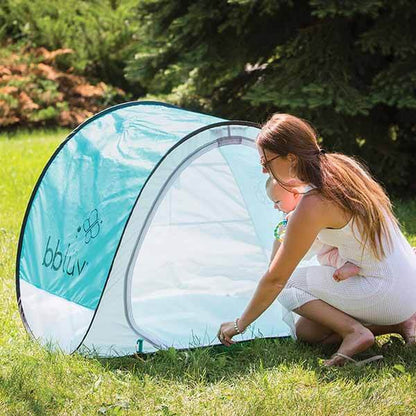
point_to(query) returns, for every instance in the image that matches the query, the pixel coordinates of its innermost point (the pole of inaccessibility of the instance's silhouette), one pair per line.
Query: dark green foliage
(99, 31)
(347, 66)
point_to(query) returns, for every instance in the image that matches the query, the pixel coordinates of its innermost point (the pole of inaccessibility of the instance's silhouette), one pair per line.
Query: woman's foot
(407, 330)
(346, 271)
(353, 343)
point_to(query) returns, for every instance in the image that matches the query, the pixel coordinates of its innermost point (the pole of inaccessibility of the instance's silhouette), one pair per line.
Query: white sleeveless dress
(383, 293)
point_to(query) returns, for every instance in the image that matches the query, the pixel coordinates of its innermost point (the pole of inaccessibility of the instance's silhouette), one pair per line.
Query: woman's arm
(304, 225)
(276, 245)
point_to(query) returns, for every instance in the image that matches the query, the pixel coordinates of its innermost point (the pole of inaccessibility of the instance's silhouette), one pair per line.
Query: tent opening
(202, 255)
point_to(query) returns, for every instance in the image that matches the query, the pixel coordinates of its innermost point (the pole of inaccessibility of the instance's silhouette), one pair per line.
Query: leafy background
(349, 67)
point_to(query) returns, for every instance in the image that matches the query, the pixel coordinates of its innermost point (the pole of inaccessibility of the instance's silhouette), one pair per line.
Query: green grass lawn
(263, 377)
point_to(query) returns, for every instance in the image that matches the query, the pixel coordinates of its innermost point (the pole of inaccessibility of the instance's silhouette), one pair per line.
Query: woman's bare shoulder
(323, 210)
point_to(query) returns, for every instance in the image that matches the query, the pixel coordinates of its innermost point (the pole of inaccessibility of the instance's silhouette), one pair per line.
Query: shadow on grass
(28, 389)
(21, 394)
(212, 364)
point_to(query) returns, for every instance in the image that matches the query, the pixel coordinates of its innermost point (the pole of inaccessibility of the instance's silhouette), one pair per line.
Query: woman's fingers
(220, 336)
(224, 339)
(225, 333)
(227, 341)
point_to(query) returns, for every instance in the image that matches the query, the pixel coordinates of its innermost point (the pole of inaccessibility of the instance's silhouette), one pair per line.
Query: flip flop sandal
(358, 363)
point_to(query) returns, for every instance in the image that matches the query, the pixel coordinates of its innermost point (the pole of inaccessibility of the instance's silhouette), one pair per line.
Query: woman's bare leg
(407, 330)
(314, 333)
(355, 337)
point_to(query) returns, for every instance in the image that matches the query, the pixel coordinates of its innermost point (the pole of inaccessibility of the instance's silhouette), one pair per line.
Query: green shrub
(99, 32)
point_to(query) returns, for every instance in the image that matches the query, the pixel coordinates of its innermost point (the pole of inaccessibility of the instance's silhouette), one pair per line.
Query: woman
(345, 208)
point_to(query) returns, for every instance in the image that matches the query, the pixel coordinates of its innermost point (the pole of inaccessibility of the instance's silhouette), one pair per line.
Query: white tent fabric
(177, 231)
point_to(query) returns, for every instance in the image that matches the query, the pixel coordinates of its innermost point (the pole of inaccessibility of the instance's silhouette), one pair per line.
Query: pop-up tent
(147, 229)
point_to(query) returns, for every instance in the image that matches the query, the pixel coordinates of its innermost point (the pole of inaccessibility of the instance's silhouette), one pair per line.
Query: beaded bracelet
(236, 327)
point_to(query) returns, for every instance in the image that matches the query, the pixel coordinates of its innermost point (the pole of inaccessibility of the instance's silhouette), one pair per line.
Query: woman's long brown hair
(337, 177)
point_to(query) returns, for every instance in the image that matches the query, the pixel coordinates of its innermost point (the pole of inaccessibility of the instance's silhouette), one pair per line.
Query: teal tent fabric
(89, 190)
(98, 266)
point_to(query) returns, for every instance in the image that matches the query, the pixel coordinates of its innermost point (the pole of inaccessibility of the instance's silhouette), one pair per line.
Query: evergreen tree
(348, 66)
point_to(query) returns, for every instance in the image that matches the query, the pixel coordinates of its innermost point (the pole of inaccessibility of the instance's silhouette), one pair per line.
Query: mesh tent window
(148, 225)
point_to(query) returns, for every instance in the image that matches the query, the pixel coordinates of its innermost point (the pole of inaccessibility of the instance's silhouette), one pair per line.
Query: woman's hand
(226, 332)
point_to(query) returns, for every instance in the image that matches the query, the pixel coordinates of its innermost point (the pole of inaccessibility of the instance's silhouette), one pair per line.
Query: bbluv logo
(91, 226)
(54, 256)
(55, 259)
